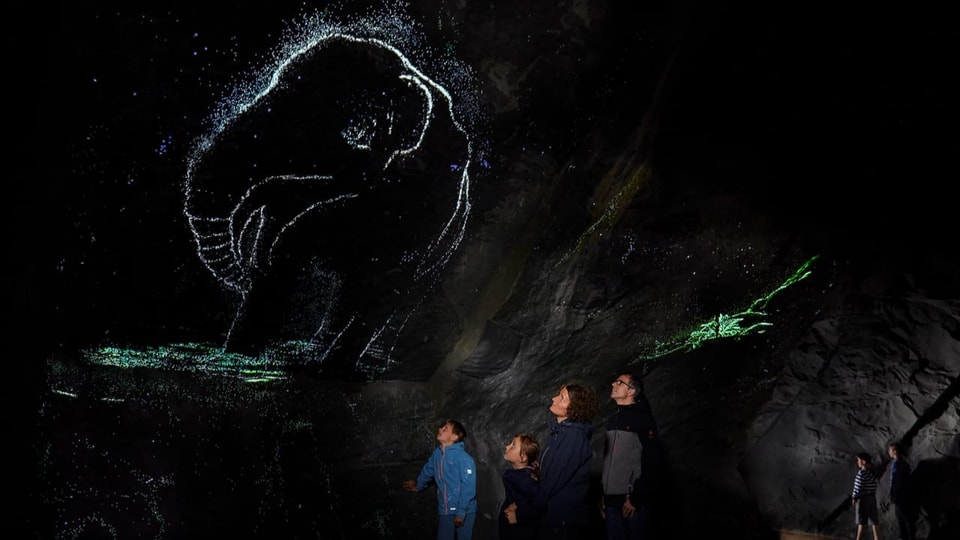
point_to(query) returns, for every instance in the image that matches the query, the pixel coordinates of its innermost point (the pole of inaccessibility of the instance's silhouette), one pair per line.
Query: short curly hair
(584, 404)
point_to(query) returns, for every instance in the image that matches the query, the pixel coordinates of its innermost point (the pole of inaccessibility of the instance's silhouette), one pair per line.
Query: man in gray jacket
(631, 459)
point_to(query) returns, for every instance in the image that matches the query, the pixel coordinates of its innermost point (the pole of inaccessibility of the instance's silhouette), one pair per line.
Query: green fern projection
(728, 326)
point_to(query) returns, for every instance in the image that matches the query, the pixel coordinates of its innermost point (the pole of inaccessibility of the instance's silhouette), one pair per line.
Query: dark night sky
(842, 119)
(846, 113)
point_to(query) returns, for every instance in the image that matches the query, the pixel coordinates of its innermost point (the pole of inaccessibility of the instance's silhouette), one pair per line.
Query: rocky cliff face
(761, 429)
(749, 216)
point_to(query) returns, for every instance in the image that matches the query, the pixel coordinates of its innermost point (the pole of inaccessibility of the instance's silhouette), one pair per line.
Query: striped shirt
(865, 483)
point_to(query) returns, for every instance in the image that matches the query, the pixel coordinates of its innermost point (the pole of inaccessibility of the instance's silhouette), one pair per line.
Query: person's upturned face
(445, 435)
(513, 454)
(560, 403)
(620, 389)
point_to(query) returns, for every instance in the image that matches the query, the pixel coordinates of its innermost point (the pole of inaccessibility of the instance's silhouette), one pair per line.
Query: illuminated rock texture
(751, 216)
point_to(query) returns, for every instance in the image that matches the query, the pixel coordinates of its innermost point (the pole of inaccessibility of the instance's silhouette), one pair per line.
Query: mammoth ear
(414, 112)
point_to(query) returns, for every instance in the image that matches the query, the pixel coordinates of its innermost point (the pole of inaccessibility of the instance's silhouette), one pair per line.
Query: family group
(547, 486)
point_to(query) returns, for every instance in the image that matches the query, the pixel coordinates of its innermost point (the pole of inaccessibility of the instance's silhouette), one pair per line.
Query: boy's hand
(457, 521)
(410, 485)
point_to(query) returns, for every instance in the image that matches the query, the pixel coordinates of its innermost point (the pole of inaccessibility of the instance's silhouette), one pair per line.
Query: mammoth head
(350, 156)
(328, 134)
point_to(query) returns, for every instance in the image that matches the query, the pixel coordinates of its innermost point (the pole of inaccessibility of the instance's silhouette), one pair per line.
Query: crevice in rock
(933, 412)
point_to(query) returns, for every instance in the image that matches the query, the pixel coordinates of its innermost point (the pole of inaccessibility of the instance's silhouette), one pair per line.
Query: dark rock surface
(653, 166)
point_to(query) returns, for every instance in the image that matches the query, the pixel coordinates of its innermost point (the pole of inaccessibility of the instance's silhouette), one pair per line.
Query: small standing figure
(452, 469)
(519, 484)
(865, 495)
(899, 475)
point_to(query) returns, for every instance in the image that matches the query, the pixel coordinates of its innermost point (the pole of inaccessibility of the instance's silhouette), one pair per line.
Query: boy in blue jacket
(452, 469)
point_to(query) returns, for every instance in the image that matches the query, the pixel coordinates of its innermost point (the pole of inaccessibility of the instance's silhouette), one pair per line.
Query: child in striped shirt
(865, 495)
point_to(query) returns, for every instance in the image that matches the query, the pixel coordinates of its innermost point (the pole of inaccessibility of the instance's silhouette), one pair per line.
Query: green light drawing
(636, 178)
(271, 365)
(728, 326)
(195, 357)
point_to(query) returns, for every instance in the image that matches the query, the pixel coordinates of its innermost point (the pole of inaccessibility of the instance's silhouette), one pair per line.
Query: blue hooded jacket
(453, 470)
(561, 498)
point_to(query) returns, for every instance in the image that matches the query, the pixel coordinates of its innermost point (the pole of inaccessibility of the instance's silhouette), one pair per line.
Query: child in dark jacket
(519, 484)
(559, 507)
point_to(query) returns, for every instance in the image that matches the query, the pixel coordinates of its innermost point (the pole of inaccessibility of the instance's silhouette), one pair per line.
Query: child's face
(513, 454)
(860, 463)
(445, 435)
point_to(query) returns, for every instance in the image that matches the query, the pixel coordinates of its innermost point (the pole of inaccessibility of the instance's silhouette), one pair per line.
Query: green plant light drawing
(194, 357)
(269, 365)
(728, 326)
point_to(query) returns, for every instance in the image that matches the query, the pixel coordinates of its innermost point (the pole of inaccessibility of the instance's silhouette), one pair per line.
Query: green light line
(206, 358)
(728, 326)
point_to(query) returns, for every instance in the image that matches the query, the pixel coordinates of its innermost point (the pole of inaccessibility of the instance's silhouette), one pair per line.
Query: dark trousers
(560, 533)
(635, 527)
(905, 521)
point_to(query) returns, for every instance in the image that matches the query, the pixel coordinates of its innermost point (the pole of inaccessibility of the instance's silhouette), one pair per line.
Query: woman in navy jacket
(559, 507)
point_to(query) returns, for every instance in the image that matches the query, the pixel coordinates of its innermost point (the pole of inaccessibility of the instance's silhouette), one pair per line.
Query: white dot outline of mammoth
(222, 252)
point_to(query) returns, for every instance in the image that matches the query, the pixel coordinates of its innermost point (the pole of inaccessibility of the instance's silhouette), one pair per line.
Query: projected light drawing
(337, 183)
(191, 357)
(635, 179)
(724, 326)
